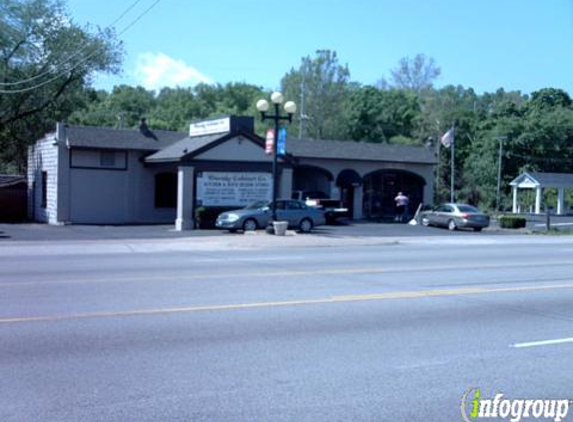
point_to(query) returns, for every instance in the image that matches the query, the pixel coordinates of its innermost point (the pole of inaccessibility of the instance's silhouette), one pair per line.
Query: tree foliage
(42, 48)
(326, 85)
(170, 109)
(417, 74)
(46, 61)
(376, 115)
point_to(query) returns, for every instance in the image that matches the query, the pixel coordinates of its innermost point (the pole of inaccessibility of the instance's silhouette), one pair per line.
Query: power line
(534, 158)
(69, 59)
(89, 56)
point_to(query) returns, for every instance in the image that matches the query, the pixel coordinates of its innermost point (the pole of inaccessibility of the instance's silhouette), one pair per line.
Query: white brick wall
(43, 156)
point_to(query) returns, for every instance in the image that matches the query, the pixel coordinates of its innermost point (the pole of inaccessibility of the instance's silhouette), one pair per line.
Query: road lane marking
(291, 273)
(543, 343)
(393, 295)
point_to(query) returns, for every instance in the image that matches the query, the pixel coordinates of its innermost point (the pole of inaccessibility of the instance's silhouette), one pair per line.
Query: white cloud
(157, 70)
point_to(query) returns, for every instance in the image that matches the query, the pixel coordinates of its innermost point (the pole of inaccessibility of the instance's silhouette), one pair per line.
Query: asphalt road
(346, 332)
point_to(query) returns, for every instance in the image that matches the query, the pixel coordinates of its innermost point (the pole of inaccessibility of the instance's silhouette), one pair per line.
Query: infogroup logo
(474, 407)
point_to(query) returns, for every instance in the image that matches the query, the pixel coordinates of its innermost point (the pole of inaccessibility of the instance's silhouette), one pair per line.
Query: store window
(166, 190)
(44, 201)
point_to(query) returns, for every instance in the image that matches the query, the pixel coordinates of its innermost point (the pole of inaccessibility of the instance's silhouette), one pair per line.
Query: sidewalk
(257, 241)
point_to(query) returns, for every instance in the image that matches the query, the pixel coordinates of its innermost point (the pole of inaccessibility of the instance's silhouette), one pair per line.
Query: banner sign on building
(210, 127)
(281, 142)
(270, 142)
(233, 189)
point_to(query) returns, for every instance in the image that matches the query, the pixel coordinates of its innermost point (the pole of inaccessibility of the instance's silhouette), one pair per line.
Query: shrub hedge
(511, 222)
(205, 217)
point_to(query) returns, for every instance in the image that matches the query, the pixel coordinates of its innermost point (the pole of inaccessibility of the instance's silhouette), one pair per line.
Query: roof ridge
(121, 129)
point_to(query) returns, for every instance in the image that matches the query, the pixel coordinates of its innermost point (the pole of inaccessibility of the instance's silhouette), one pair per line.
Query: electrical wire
(70, 58)
(534, 158)
(86, 58)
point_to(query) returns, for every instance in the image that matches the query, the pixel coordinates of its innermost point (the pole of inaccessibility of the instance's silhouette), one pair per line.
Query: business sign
(270, 142)
(210, 127)
(233, 189)
(281, 142)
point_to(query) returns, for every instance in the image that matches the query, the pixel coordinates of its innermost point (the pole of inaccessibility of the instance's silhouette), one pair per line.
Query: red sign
(270, 143)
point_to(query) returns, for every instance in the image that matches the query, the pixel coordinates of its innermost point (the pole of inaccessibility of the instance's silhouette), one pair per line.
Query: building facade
(89, 175)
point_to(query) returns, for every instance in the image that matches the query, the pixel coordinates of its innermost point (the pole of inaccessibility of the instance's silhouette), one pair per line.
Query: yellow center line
(290, 273)
(414, 294)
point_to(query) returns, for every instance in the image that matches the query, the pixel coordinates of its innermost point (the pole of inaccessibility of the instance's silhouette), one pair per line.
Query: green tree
(46, 61)
(326, 85)
(124, 107)
(417, 74)
(174, 109)
(379, 115)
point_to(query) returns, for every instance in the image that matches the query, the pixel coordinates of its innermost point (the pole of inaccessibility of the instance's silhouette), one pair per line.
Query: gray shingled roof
(183, 147)
(100, 137)
(553, 179)
(350, 150)
(171, 146)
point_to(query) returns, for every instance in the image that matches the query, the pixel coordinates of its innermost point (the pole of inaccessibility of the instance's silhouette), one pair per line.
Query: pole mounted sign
(281, 141)
(210, 127)
(270, 142)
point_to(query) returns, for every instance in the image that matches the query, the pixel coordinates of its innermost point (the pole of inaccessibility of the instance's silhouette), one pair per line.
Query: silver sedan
(454, 216)
(258, 215)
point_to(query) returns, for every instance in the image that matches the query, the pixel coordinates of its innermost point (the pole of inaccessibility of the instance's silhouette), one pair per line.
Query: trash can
(280, 227)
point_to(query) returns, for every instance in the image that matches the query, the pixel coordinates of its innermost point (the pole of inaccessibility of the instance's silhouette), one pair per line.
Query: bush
(511, 222)
(205, 217)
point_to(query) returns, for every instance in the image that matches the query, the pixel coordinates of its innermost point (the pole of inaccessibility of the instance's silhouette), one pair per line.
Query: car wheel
(477, 229)
(249, 225)
(305, 225)
(452, 225)
(425, 221)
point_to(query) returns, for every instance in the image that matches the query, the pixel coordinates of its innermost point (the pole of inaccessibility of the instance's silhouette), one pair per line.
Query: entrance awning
(348, 178)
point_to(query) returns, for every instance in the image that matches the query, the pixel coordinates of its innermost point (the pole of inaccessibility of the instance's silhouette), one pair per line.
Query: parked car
(333, 208)
(303, 195)
(258, 215)
(454, 216)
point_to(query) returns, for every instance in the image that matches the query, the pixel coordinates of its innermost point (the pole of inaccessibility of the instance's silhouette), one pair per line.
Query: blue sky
(484, 44)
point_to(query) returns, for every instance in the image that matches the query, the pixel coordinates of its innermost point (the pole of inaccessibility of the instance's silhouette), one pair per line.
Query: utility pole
(452, 170)
(438, 142)
(498, 194)
(302, 115)
(120, 119)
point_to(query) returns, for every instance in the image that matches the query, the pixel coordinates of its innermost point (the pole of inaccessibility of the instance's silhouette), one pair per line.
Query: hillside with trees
(41, 83)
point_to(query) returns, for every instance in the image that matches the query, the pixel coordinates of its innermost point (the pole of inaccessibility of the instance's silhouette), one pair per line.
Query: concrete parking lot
(45, 232)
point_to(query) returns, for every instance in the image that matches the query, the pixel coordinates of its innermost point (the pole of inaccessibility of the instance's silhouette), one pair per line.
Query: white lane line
(555, 224)
(543, 343)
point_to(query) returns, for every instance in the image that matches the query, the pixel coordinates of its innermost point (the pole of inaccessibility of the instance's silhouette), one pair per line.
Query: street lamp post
(290, 108)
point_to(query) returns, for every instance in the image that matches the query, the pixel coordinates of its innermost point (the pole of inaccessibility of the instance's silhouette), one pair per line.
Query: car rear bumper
(472, 224)
(223, 224)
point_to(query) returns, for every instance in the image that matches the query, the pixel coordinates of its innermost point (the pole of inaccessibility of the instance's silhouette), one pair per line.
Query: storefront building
(90, 175)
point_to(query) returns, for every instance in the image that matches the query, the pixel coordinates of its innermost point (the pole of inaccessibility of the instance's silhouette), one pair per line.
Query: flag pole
(452, 165)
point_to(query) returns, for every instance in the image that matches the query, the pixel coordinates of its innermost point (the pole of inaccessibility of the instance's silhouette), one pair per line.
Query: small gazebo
(539, 181)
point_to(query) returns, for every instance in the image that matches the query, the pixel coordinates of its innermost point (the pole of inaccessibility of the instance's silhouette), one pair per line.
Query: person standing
(402, 202)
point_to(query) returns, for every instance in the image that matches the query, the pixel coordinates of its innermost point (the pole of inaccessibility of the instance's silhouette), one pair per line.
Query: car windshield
(467, 208)
(257, 205)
